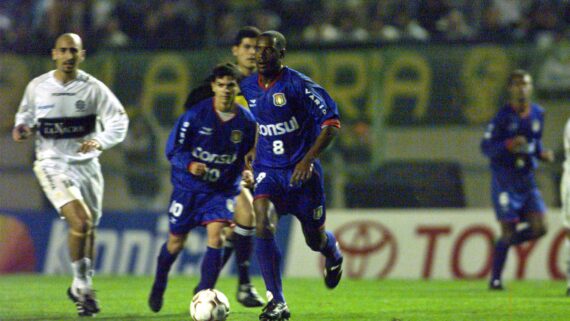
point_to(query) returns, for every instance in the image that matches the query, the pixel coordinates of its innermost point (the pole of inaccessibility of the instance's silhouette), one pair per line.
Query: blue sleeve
(178, 149)
(493, 143)
(318, 102)
(539, 146)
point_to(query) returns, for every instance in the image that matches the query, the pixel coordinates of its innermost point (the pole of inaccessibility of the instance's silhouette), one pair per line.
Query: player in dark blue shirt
(206, 150)
(297, 120)
(513, 142)
(240, 237)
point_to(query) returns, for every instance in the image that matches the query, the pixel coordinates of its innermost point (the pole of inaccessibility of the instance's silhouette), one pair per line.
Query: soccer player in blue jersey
(513, 142)
(240, 236)
(206, 150)
(297, 120)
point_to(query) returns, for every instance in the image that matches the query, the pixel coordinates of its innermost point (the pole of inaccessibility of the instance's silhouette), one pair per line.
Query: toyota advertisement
(418, 244)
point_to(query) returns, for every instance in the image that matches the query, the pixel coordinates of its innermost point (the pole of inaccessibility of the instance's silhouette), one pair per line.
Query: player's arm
(250, 156)
(542, 153)
(324, 112)
(114, 119)
(304, 169)
(24, 120)
(494, 142)
(178, 149)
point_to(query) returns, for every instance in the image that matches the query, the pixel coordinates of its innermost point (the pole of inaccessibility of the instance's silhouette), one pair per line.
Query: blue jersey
(502, 129)
(290, 114)
(201, 136)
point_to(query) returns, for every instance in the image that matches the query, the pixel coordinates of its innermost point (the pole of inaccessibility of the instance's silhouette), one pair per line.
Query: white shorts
(63, 183)
(565, 197)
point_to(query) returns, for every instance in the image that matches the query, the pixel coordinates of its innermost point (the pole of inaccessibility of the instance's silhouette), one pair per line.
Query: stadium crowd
(29, 26)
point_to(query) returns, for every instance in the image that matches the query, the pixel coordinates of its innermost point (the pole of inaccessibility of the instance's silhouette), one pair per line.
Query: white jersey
(565, 182)
(567, 146)
(64, 116)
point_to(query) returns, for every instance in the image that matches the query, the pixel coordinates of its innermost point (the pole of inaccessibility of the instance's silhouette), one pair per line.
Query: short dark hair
(246, 32)
(280, 41)
(517, 73)
(225, 69)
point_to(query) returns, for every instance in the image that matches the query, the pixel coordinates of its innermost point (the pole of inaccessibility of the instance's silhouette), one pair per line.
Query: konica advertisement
(419, 244)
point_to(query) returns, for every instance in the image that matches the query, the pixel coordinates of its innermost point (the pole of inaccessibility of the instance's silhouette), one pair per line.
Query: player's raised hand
(197, 168)
(21, 132)
(247, 178)
(89, 145)
(303, 172)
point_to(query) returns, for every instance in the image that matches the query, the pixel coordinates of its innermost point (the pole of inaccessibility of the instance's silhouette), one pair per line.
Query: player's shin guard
(228, 250)
(499, 258)
(243, 244)
(210, 269)
(269, 257)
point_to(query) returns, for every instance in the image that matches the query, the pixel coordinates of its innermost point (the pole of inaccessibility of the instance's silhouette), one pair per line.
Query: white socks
(82, 274)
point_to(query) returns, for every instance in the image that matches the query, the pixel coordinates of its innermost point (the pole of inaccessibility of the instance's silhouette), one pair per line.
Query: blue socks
(502, 249)
(499, 258)
(331, 251)
(164, 263)
(243, 246)
(269, 257)
(210, 269)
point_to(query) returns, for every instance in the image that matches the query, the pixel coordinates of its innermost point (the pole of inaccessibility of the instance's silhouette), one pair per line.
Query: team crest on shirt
(80, 105)
(536, 125)
(236, 136)
(318, 213)
(279, 99)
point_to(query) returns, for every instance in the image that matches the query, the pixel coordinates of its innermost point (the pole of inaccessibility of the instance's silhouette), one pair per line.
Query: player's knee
(80, 225)
(175, 245)
(215, 241)
(314, 241)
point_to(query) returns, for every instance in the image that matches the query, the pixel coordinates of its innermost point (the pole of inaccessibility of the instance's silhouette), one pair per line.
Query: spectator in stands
(453, 27)
(491, 27)
(430, 12)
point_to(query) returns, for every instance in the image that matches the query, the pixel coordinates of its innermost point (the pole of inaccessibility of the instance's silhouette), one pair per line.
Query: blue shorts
(512, 202)
(306, 201)
(190, 209)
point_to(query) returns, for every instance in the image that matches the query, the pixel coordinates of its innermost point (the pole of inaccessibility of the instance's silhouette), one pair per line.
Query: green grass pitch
(36, 297)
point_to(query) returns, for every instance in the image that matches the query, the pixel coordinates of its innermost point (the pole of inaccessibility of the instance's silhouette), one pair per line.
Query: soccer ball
(209, 305)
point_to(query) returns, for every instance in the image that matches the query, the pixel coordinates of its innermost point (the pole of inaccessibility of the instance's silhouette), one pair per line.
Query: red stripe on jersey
(261, 196)
(335, 122)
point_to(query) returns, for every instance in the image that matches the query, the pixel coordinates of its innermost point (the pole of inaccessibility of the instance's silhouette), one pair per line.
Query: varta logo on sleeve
(183, 131)
(236, 136)
(317, 101)
(279, 99)
(205, 131)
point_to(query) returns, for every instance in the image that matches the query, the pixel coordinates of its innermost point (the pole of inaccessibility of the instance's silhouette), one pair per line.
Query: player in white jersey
(565, 197)
(75, 117)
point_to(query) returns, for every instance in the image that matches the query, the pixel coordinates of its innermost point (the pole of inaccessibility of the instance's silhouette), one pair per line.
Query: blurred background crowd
(28, 26)
(415, 80)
